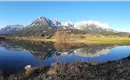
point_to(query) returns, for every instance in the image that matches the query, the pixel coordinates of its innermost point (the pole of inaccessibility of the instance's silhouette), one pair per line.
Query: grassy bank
(89, 40)
(31, 39)
(107, 40)
(112, 70)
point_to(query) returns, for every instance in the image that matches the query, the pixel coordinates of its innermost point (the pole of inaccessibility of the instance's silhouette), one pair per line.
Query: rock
(27, 67)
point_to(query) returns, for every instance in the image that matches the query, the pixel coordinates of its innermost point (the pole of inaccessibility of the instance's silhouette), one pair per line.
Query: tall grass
(109, 40)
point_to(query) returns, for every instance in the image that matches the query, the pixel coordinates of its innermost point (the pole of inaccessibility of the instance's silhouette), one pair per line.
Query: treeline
(65, 36)
(47, 32)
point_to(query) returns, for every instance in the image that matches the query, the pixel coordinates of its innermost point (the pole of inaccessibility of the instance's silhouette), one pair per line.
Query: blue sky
(115, 14)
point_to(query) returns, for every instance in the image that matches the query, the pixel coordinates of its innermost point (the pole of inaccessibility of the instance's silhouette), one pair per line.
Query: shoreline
(120, 41)
(112, 70)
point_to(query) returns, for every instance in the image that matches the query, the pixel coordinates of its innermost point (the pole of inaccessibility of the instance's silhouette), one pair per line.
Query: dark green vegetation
(114, 70)
(2, 38)
(47, 31)
(41, 31)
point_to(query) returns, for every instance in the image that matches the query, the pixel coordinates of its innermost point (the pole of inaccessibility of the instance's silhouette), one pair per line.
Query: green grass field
(109, 40)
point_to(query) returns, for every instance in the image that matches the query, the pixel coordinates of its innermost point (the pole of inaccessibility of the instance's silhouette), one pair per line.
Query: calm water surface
(14, 56)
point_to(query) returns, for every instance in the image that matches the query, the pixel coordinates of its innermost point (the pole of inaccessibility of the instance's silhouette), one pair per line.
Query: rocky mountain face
(45, 21)
(42, 21)
(11, 28)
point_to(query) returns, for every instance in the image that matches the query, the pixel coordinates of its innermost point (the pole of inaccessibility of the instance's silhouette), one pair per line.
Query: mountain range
(45, 25)
(11, 28)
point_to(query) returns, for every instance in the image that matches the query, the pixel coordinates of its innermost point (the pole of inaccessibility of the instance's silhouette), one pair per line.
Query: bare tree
(61, 37)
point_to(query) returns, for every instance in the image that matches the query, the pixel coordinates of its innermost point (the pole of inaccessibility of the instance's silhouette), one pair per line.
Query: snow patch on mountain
(67, 25)
(11, 28)
(84, 24)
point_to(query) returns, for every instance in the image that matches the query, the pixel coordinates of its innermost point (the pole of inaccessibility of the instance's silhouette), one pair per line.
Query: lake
(15, 55)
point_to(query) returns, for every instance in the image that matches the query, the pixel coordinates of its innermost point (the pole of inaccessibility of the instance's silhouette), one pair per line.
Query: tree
(61, 37)
(43, 35)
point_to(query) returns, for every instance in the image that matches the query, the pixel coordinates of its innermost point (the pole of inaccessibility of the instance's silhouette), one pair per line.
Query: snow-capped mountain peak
(46, 21)
(42, 19)
(81, 25)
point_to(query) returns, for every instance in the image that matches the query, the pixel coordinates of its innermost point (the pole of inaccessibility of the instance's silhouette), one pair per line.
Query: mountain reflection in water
(18, 54)
(92, 51)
